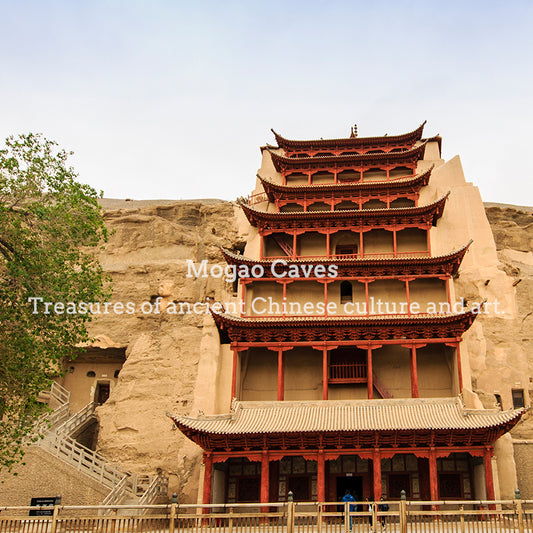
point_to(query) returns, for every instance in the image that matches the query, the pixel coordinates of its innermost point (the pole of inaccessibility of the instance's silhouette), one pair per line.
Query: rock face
(173, 360)
(146, 257)
(508, 361)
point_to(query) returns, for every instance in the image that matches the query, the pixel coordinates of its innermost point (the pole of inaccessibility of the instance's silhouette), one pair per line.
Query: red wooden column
(265, 489)
(294, 245)
(208, 479)
(448, 281)
(369, 375)
(328, 251)
(489, 477)
(414, 373)
(429, 241)
(394, 243)
(367, 299)
(281, 376)
(459, 369)
(361, 248)
(433, 480)
(324, 374)
(284, 299)
(261, 246)
(325, 298)
(321, 476)
(243, 295)
(408, 296)
(234, 373)
(376, 465)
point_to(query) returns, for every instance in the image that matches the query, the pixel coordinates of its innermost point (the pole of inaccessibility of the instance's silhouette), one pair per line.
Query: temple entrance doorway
(102, 392)
(352, 483)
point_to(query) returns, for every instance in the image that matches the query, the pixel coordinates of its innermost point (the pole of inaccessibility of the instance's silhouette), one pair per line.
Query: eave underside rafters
(445, 265)
(286, 165)
(235, 329)
(340, 440)
(276, 191)
(416, 217)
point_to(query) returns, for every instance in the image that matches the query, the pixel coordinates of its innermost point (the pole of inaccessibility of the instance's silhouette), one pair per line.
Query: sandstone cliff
(146, 256)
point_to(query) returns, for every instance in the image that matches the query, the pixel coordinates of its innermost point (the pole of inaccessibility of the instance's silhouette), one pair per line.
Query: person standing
(370, 516)
(351, 508)
(383, 508)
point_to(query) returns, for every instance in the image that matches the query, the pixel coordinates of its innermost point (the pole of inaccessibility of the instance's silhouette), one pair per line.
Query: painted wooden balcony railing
(365, 255)
(349, 372)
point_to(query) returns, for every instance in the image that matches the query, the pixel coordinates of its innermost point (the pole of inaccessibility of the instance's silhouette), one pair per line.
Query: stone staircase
(57, 429)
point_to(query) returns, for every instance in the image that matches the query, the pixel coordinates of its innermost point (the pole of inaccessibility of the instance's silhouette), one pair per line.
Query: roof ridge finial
(353, 132)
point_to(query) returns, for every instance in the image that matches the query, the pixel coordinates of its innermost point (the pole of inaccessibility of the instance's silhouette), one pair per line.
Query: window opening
(346, 292)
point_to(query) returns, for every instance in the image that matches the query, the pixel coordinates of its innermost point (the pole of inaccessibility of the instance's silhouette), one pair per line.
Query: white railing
(82, 458)
(77, 420)
(51, 419)
(117, 495)
(158, 486)
(57, 427)
(61, 394)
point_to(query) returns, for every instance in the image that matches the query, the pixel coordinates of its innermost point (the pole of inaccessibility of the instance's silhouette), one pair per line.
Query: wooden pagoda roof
(350, 143)
(348, 424)
(420, 216)
(440, 265)
(341, 328)
(408, 183)
(318, 162)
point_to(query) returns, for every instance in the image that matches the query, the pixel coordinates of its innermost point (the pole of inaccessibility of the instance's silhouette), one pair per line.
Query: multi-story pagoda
(347, 369)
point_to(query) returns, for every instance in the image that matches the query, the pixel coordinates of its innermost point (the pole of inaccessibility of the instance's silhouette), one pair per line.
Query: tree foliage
(50, 226)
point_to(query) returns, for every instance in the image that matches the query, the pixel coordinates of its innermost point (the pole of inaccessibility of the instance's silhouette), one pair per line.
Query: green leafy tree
(50, 228)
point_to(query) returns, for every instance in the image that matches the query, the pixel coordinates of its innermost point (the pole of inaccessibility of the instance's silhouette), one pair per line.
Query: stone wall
(45, 476)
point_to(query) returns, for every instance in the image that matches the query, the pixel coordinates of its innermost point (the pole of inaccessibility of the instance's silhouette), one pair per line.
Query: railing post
(230, 524)
(346, 517)
(113, 520)
(54, 518)
(403, 512)
(519, 510)
(290, 513)
(173, 506)
(319, 517)
(462, 517)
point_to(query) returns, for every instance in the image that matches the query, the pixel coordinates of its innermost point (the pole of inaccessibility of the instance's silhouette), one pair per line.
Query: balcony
(349, 372)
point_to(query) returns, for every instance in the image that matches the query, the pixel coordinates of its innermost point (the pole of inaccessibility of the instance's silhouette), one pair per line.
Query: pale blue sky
(171, 99)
